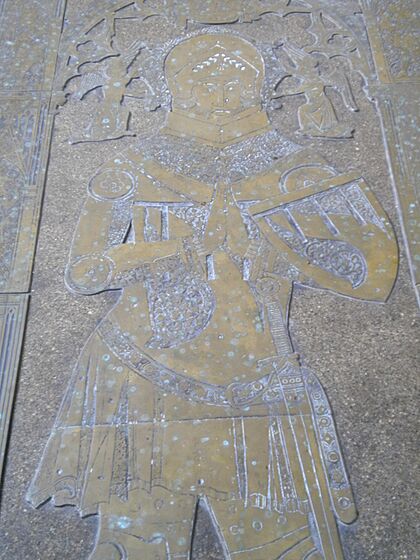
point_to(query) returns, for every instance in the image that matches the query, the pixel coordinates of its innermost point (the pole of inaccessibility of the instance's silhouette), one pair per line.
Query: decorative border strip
(397, 99)
(397, 141)
(28, 105)
(13, 310)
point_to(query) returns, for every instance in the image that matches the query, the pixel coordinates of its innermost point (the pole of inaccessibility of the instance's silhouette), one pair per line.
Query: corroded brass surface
(189, 393)
(189, 390)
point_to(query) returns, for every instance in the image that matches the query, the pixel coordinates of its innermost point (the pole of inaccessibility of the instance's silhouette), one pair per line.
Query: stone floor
(365, 354)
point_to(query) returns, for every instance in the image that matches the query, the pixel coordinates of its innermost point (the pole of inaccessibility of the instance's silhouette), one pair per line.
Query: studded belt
(283, 373)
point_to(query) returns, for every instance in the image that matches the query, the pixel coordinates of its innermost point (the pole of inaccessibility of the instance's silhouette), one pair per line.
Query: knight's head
(215, 77)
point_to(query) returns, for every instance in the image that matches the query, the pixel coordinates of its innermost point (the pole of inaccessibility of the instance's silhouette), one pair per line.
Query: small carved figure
(101, 65)
(190, 389)
(317, 117)
(112, 120)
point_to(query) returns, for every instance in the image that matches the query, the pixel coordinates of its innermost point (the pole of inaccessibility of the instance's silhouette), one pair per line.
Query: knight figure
(189, 389)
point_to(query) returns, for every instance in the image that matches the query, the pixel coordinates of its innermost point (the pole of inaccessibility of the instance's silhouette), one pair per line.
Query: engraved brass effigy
(189, 389)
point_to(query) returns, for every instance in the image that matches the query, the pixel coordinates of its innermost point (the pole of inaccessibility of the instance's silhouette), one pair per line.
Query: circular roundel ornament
(305, 176)
(111, 184)
(89, 274)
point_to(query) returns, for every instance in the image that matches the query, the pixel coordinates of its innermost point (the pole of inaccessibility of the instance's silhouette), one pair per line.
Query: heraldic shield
(189, 390)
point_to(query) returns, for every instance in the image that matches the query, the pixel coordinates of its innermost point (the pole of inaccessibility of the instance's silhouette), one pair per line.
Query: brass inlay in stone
(216, 86)
(25, 123)
(12, 324)
(29, 40)
(219, 12)
(190, 390)
(393, 32)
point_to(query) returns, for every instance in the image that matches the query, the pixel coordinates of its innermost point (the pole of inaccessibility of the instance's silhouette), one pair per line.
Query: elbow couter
(89, 274)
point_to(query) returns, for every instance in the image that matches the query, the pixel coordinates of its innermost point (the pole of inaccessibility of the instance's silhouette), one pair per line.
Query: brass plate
(396, 56)
(12, 324)
(189, 391)
(24, 146)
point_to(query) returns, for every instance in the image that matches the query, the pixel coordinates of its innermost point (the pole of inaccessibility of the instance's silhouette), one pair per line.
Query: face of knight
(218, 97)
(215, 77)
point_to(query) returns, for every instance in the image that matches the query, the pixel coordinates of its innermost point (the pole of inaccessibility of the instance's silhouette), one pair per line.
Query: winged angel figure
(190, 390)
(317, 117)
(98, 64)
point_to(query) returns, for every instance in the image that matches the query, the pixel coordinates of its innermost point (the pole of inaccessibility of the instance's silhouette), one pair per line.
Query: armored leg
(154, 525)
(251, 533)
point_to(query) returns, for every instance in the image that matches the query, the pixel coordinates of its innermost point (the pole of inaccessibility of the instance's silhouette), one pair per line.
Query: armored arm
(100, 256)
